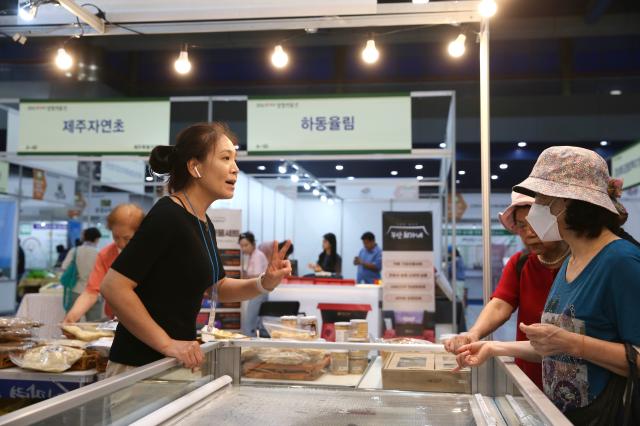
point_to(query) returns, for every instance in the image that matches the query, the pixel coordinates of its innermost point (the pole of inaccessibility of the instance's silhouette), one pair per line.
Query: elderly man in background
(123, 222)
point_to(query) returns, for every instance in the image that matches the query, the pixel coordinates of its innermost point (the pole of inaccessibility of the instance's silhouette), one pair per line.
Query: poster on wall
(4, 176)
(53, 187)
(101, 203)
(329, 124)
(228, 225)
(98, 127)
(407, 271)
(39, 241)
(626, 165)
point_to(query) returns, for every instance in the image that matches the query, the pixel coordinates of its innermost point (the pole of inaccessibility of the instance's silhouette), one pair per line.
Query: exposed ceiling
(553, 67)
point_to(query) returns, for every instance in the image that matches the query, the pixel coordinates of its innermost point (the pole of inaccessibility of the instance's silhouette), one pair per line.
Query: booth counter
(163, 393)
(311, 295)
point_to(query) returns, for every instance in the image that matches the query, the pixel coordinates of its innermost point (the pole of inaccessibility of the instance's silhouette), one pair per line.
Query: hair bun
(161, 159)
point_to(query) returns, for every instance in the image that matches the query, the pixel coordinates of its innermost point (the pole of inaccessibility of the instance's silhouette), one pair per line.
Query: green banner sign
(329, 124)
(100, 127)
(626, 165)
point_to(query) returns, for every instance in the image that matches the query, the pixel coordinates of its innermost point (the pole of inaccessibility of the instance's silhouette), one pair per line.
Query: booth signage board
(101, 203)
(626, 165)
(4, 176)
(407, 262)
(228, 226)
(99, 127)
(52, 187)
(124, 175)
(329, 124)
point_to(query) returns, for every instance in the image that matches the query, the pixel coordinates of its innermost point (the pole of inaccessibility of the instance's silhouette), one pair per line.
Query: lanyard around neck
(212, 259)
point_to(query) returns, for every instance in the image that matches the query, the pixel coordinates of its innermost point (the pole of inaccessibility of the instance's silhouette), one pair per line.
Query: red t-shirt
(105, 258)
(529, 293)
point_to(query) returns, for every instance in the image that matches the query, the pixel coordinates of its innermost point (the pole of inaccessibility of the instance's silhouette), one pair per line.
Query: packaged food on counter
(209, 335)
(280, 331)
(50, 358)
(425, 372)
(284, 363)
(340, 362)
(290, 321)
(73, 343)
(309, 323)
(18, 322)
(359, 328)
(343, 330)
(85, 331)
(14, 334)
(400, 341)
(8, 348)
(358, 359)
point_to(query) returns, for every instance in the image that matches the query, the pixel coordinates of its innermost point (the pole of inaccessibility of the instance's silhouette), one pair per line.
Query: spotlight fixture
(604, 143)
(295, 166)
(315, 192)
(494, 177)
(394, 173)
(504, 166)
(350, 178)
(19, 38)
(370, 53)
(339, 167)
(182, 64)
(282, 169)
(279, 58)
(306, 186)
(615, 92)
(27, 10)
(262, 168)
(64, 61)
(462, 172)
(458, 181)
(456, 47)
(420, 177)
(295, 178)
(148, 178)
(442, 145)
(323, 198)
(330, 201)
(419, 166)
(487, 8)
(522, 144)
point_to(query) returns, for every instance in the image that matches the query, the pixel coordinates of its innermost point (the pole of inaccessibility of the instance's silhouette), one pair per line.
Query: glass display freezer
(225, 391)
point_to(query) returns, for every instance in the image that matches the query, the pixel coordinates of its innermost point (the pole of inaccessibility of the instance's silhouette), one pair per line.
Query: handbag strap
(631, 355)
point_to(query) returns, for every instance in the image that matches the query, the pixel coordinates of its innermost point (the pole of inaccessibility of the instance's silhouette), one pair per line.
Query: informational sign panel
(407, 262)
(228, 225)
(52, 187)
(329, 124)
(101, 127)
(125, 175)
(626, 165)
(4, 176)
(101, 203)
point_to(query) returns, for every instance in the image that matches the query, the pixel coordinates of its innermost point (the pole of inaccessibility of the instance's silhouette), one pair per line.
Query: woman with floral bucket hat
(591, 319)
(524, 284)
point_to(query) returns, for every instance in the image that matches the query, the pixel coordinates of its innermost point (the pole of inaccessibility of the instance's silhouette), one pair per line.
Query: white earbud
(197, 172)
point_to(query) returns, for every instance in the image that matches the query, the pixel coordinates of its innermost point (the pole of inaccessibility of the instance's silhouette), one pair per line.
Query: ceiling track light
(64, 61)
(295, 178)
(279, 58)
(487, 8)
(370, 53)
(456, 47)
(27, 10)
(182, 65)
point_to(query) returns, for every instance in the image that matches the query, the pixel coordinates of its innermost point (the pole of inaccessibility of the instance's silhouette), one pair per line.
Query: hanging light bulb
(182, 64)
(487, 8)
(279, 58)
(27, 11)
(456, 47)
(64, 61)
(370, 54)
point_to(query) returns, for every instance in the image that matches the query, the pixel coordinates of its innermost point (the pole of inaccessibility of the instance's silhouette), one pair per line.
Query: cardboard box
(424, 372)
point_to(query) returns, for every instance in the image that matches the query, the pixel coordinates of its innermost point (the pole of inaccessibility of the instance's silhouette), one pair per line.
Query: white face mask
(544, 223)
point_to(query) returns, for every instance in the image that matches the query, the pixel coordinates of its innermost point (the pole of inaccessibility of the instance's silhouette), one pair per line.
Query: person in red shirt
(123, 221)
(524, 284)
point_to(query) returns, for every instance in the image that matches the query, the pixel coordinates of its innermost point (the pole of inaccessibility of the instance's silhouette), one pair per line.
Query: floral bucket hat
(575, 173)
(517, 200)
